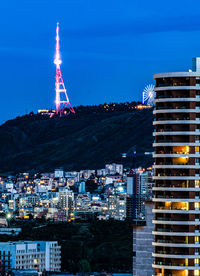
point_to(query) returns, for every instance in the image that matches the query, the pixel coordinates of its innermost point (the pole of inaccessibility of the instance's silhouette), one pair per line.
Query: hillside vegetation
(86, 140)
(86, 246)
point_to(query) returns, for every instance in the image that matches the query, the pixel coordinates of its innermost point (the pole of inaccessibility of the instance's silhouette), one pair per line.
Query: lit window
(196, 238)
(196, 273)
(187, 149)
(196, 149)
(196, 205)
(196, 261)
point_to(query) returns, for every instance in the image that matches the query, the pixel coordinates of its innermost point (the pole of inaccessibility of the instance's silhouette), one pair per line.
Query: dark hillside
(80, 141)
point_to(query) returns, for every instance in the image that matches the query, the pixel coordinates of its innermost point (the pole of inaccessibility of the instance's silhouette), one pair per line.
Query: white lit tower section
(177, 158)
(63, 105)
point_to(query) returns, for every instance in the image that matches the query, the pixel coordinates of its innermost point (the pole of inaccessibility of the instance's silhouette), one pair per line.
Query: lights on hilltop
(142, 106)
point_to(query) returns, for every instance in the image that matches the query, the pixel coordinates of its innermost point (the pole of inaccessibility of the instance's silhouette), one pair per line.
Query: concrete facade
(142, 245)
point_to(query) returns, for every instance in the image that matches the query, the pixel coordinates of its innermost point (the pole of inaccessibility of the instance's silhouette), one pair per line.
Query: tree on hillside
(91, 184)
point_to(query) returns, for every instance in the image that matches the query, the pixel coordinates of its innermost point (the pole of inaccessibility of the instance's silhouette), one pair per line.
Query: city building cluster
(69, 196)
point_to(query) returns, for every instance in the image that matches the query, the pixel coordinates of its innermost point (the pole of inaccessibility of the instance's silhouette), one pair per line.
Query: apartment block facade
(177, 157)
(40, 255)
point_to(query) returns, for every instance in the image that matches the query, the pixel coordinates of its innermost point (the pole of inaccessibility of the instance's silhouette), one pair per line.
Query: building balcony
(174, 189)
(173, 88)
(179, 166)
(176, 75)
(161, 96)
(173, 256)
(171, 155)
(172, 84)
(171, 199)
(176, 99)
(175, 267)
(169, 232)
(175, 121)
(162, 218)
(175, 211)
(171, 107)
(169, 110)
(175, 222)
(168, 244)
(160, 240)
(171, 144)
(177, 133)
(175, 177)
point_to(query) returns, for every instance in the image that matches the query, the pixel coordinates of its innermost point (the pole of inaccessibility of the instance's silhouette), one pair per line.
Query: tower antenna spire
(63, 105)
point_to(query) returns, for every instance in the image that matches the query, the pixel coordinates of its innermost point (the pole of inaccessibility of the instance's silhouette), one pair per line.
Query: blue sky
(110, 49)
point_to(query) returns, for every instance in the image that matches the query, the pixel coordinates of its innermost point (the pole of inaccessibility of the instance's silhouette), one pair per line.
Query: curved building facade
(177, 182)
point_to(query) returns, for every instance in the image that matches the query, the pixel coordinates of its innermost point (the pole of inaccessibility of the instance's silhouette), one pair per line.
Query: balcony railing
(170, 197)
(170, 219)
(170, 264)
(169, 174)
(171, 252)
(169, 208)
(169, 96)
(172, 186)
(172, 119)
(173, 164)
(171, 241)
(171, 130)
(171, 107)
(173, 84)
(163, 230)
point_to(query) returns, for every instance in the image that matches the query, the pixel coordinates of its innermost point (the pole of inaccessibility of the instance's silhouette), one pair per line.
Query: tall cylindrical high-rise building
(177, 182)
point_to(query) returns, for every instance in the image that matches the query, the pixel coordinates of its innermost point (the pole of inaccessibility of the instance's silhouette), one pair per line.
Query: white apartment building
(66, 199)
(40, 255)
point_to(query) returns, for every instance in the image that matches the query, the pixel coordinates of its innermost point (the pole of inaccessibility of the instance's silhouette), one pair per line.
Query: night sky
(110, 49)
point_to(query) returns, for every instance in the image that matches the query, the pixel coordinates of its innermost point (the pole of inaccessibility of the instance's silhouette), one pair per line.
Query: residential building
(40, 255)
(114, 169)
(177, 136)
(117, 206)
(144, 182)
(66, 200)
(83, 202)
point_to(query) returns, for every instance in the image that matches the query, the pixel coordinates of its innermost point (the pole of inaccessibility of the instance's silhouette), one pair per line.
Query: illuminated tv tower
(63, 105)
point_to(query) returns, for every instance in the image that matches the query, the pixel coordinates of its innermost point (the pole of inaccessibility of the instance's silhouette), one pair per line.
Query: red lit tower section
(63, 105)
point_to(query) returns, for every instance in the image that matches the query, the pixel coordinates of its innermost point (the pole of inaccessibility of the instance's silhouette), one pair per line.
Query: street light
(8, 216)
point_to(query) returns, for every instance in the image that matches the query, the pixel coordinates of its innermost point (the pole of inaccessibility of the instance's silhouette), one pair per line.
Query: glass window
(196, 238)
